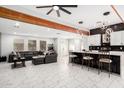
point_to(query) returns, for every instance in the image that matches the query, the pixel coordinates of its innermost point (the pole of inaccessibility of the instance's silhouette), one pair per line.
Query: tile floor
(56, 75)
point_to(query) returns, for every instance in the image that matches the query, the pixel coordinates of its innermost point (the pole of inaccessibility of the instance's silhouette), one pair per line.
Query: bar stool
(104, 57)
(88, 59)
(72, 57)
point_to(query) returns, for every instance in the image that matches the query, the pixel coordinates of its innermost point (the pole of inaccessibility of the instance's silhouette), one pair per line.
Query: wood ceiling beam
(18, 16)
(118, 14)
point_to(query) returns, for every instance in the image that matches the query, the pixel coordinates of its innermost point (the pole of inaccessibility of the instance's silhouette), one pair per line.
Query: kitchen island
(117, 58)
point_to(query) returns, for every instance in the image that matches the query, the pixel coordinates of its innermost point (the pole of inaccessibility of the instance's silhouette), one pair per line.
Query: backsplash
(111, 48)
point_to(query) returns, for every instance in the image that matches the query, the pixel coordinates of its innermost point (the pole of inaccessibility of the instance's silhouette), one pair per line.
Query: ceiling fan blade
(65, 10)
(58, 13)
(50, 11)
(44, 6)
(73, 6)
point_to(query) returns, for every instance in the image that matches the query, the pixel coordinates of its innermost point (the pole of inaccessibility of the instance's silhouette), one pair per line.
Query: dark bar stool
(72, 57)
(88, 59)
(104, 57)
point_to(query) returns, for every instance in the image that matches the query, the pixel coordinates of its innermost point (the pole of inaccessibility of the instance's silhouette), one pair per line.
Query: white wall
(7, 42)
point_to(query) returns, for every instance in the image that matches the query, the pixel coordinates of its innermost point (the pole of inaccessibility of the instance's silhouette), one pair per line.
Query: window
(42, 45)
(32, 45)
(18, 45)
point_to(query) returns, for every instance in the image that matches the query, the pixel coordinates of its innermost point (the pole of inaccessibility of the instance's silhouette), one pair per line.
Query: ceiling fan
(57, 8)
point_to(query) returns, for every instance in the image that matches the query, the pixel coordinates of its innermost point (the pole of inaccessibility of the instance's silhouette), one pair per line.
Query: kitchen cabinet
(117, 38)
(94, 40)
(122, 37)
(84, 43)
(75, 44)
(78, 44)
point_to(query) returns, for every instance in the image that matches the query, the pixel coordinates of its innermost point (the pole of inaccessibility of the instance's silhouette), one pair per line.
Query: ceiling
(8, 27)
(89, 14)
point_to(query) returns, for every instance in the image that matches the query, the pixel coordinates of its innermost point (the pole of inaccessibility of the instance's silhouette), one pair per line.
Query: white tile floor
(56, 75)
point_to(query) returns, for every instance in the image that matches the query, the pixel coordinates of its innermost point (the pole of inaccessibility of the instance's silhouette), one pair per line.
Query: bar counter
(116, 56)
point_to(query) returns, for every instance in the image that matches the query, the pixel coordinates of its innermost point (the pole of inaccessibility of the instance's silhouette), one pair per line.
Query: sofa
(50, 58)
(28, 55)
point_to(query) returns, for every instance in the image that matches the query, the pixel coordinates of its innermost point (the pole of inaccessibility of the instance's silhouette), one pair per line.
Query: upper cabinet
(117, 38)
(94, 40)
(78, 44)
(122, 35)
(84, 43)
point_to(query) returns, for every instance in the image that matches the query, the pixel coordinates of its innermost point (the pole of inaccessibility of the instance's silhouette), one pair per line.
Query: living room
(59, 46)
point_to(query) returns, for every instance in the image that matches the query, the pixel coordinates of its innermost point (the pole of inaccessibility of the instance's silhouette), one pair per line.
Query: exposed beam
(18, 16)
(113, 7)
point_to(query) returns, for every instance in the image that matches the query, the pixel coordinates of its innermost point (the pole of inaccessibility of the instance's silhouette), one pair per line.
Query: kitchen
(109, 38)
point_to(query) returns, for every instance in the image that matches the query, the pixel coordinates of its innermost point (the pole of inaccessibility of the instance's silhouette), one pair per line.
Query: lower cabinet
(115, 65)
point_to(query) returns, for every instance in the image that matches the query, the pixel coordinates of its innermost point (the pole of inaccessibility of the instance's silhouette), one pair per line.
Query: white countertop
(116, 53)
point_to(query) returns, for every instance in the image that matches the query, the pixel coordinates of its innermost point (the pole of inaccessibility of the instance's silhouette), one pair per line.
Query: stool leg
(109, 69)
(101, 66)
(88, 65)
(82, 63)
(92, 63)
(23, 62)
(72, 61)
(98, 68)
(69, 60)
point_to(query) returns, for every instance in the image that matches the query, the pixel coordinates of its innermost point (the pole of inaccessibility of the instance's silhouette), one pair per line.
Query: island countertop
(115, 53)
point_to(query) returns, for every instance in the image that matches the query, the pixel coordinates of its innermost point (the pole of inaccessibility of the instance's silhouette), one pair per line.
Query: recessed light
(106, 13)
(17, 24)
(80, 22)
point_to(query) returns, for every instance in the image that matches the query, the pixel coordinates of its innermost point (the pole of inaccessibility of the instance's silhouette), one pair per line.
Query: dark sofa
(50, 58)
(28, 55)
